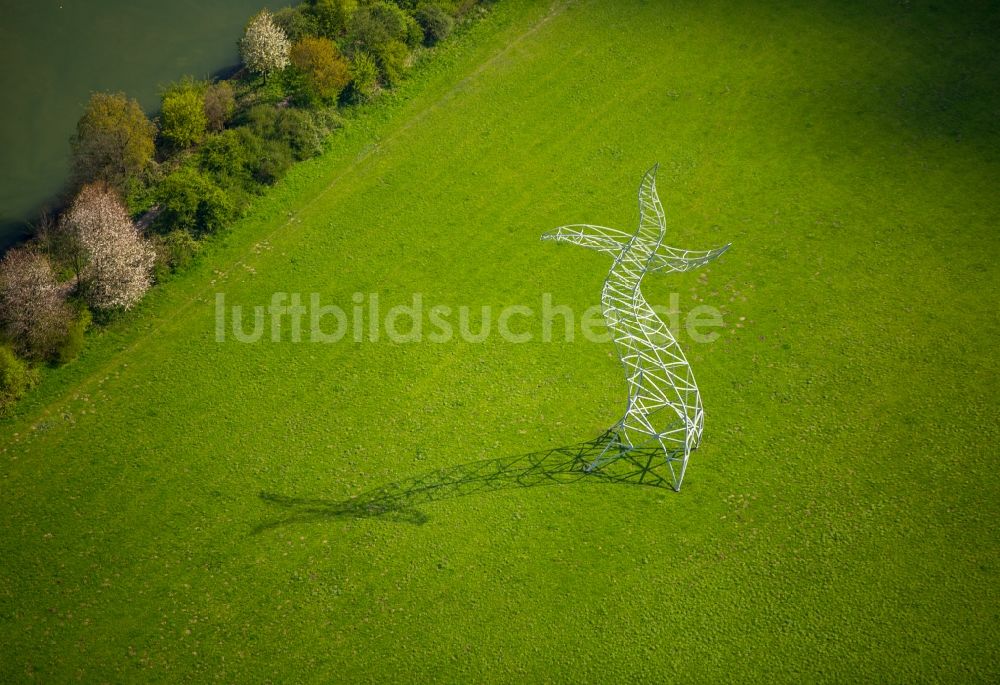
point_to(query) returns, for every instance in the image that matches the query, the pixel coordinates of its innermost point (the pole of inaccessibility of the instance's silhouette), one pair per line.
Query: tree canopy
(323, 70)
(264, 47)
(32, 304)
(183, 119)
(114, 140)
(118, 260)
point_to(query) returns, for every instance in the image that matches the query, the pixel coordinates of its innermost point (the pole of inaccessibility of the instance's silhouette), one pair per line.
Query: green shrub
(139, 192)
(297, 22)
(391, 59)
(364, 77)
(175, 252)
(16, 378)
(332, 16)
(374, 25)
(270, 91)
(389, 15)
(261, 119)
(322, 72)
(226, 157)
(191, 201)
(328, 119)
(274, 159)
(220, 103)
(435, 22)
(267, 158)
(414, 37)
(72, 345)
(183, 120)
(299, 130)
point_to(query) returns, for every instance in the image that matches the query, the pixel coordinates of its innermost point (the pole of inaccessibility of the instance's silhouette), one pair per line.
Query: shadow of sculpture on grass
(400, 501)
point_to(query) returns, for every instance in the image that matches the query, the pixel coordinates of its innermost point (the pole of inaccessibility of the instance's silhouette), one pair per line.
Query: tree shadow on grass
(399, 501)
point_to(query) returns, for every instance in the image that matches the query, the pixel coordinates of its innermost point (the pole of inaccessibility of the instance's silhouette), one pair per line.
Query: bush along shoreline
(146, 193)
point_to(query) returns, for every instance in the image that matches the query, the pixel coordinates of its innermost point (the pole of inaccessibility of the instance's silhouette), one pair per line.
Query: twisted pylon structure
(664, 405)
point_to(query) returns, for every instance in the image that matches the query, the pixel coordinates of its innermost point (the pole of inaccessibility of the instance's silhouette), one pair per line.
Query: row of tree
(145, 192)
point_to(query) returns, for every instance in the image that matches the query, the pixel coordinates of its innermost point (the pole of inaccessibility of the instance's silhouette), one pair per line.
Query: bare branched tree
(33, 305)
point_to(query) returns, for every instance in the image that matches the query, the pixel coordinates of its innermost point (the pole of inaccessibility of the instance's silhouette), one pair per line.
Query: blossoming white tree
(32, 304)
(117, 261)
(264, 47)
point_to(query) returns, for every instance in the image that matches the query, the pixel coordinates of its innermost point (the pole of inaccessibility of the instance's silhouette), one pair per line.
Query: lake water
(54, 53)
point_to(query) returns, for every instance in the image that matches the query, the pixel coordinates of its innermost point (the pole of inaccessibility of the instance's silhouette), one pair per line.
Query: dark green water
(54, 53)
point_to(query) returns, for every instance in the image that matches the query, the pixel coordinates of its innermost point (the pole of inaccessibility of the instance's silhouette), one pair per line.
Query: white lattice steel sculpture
(664, 405)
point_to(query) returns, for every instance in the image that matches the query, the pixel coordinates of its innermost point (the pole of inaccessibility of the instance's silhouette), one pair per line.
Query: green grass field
(839, 521)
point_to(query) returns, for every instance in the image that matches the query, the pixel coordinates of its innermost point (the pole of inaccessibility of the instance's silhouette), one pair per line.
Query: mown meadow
(179, 509)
